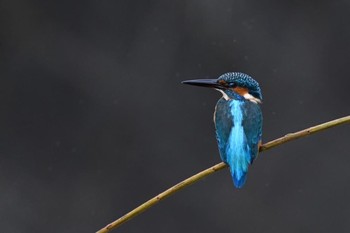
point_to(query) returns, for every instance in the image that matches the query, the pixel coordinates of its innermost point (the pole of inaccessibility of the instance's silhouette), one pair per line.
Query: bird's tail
(239, 177)
(239, 167)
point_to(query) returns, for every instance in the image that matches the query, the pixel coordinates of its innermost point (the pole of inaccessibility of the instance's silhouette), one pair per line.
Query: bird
(238, 121)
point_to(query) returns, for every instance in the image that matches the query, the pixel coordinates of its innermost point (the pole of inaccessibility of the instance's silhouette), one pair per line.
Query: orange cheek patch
(240, 90)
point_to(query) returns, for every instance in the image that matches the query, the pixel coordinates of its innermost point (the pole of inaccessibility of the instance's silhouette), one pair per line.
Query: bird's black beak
(212, 83)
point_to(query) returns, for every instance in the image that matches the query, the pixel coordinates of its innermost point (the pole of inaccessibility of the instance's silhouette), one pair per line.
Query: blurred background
(94, 120)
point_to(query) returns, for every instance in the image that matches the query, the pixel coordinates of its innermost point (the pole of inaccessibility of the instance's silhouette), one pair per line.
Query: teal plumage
(238, 126)
(238, 121)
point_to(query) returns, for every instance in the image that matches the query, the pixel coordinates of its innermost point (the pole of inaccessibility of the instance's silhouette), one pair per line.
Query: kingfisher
(238, 121)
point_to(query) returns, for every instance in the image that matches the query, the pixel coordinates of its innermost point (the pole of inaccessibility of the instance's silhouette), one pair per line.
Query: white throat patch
(247, 96)
(224, 94)
(251, 98)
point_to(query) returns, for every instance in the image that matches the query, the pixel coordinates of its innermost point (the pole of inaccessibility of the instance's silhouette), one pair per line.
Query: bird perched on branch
(238, 121)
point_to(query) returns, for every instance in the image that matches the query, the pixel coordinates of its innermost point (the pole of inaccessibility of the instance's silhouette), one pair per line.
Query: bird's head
(233, 85)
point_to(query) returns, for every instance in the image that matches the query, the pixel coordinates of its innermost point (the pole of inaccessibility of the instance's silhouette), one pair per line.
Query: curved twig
(217, 167)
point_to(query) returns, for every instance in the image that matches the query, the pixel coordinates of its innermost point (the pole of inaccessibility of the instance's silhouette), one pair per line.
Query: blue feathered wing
(238, 131)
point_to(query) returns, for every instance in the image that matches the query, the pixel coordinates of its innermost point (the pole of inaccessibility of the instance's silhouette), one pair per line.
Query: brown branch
(217, 167)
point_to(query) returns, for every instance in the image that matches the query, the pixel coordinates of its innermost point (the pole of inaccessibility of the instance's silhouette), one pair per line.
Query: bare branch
(217, 167)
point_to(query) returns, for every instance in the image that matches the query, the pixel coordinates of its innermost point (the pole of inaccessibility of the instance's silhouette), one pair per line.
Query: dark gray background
(94, 119)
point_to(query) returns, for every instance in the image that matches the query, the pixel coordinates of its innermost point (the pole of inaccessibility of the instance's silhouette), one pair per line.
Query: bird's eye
(232, 85)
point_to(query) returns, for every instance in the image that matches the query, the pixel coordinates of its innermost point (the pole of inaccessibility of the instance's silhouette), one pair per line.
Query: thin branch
(217, 167)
